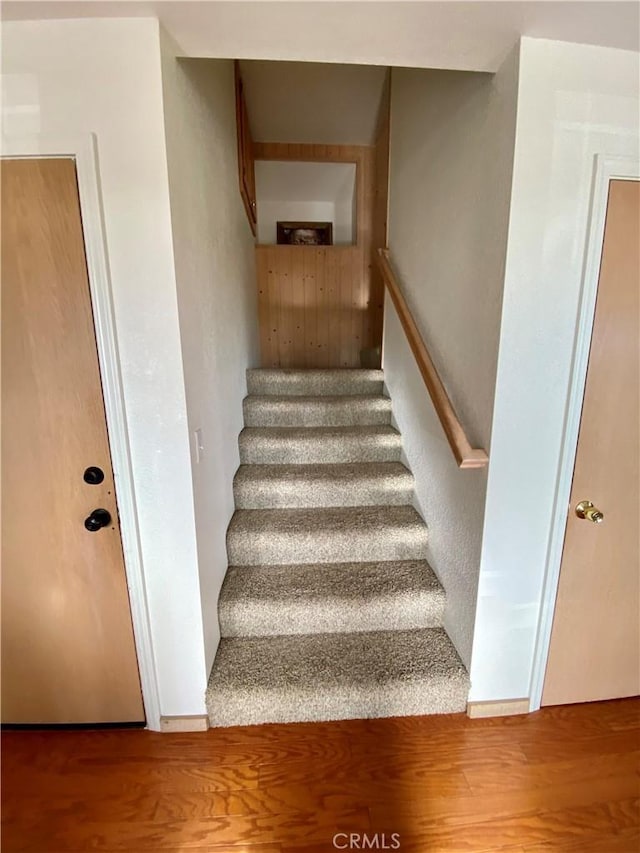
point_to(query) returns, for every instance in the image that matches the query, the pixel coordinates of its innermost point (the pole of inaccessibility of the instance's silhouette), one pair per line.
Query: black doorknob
(93, 475)
(98, 518)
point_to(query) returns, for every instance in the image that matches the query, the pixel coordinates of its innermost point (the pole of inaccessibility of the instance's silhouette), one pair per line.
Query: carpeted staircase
(329, 609)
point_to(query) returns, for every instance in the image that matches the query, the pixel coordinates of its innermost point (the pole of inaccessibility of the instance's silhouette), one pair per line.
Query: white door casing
(83, 149)
(606, 169)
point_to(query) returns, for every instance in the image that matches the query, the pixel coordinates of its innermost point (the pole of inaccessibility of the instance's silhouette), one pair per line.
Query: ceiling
(290, 181)
(469, 36)
(313, 102)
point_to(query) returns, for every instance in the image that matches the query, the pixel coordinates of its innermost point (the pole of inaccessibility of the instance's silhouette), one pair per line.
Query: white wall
(103, 76)
(215, 271)
(574, 102)
(471, 37)
(450, 174)
(306, 192)
(317, 103)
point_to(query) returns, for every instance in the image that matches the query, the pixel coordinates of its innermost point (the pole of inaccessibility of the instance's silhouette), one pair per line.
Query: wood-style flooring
(563, 779)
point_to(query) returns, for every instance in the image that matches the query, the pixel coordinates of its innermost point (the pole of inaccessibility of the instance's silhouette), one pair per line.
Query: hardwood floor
(563, 779)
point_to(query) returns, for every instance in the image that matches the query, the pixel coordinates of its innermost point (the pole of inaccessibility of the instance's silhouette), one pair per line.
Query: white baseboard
(504, 708)
(195, 723)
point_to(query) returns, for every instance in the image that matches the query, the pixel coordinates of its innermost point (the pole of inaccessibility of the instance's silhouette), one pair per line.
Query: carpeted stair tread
(314, 382)
(270, 410)
(320, 485)
(329, 609)
(326, 535)
(330, 598)
(335, 676)
(309, 445)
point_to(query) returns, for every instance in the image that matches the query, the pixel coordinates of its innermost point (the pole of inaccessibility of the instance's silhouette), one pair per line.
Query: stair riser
(399, 699)
(266, 548)
(278, 451)
(317, 413)
(286, 494)
(314, 383)
(270, 619)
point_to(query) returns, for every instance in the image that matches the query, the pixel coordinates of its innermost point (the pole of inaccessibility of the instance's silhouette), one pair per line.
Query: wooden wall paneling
(332, 317)
(345, 279)
(332, 308)
(357, 314)
(285, 310)
(322, 314)
(274, 305)
(310, 306)
(297, 286)
(263, 303)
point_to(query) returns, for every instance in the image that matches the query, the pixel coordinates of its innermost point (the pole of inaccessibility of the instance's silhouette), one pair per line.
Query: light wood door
(68, 653)
(595, 641)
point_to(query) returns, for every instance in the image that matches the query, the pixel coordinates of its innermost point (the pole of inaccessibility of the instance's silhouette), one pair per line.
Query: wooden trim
(246, 160)
(186, 723)
(466, 455)
(497, 708)
(84, 150)
(308, 152)
(282, 247)
(339, 301)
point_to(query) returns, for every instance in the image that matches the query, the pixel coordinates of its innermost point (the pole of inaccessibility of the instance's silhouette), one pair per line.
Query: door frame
(606, 169)
(83, 149)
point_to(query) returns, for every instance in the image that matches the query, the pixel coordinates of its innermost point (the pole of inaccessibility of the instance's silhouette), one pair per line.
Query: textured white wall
(319, 103)
(103, 77)
(215, 271)
(451, 157)
(305, 192)
(574, 102)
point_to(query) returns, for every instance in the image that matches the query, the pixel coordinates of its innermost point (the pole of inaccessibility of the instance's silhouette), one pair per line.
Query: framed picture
(305, 233)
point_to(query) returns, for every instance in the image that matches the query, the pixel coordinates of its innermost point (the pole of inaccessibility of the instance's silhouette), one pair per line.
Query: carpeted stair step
(335, 676)
(296, 411)
(347, 484)
(312, 383)
(325, 535)
(310, 445)
(330, 598)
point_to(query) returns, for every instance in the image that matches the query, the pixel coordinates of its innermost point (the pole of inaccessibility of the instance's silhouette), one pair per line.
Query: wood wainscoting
(314, 306)
(320, 306)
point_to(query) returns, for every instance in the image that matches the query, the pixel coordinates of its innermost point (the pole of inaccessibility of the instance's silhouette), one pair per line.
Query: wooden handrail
(466, 455)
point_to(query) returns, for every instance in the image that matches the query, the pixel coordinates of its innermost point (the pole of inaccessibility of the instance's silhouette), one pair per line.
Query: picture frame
(304, 233)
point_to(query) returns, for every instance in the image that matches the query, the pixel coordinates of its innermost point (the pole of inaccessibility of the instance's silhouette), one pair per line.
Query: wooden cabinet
(246, 163)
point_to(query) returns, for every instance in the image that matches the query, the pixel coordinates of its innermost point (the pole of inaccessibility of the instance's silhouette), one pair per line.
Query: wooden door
(595, 641)
(68, 653)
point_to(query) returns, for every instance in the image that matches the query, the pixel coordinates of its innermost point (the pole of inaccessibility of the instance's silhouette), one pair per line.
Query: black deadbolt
(98, 518)
(94, 476)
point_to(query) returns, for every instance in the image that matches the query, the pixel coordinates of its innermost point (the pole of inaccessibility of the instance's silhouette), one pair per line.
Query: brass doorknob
(586, 510)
